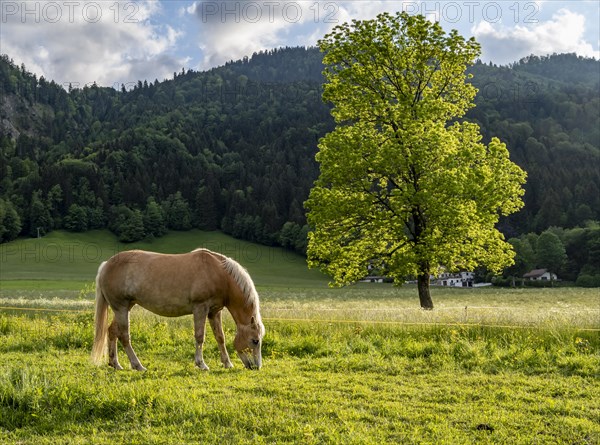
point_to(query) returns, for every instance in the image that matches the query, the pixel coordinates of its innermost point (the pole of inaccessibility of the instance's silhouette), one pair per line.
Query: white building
(462, 279)
(540, 275)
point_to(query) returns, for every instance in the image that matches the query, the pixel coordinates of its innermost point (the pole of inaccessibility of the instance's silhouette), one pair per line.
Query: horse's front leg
(200, 313)
(217, 328)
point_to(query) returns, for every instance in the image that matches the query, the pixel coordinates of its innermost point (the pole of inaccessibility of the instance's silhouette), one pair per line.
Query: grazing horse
(200, 282)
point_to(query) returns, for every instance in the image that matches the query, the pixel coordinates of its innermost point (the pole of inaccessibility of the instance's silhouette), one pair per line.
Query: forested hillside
(233, 148)
(547, 110)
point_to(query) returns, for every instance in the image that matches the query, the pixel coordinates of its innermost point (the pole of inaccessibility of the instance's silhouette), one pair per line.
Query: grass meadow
(356, 365)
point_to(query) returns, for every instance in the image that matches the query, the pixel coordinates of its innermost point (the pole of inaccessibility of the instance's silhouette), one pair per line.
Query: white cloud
(331, 14)
(563, 33)
(364, 10)
(83, 42)
(232, 29)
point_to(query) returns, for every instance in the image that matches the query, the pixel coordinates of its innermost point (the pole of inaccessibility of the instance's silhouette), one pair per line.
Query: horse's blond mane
(241, 276)
(243, 280)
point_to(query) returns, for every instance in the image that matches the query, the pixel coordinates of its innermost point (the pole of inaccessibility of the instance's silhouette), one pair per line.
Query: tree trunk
(424, 294)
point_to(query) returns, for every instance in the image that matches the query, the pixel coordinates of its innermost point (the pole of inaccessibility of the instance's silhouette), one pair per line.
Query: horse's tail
(100, 322)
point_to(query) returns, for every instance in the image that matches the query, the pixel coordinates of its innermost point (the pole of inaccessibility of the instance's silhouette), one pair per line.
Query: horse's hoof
(116, 366)
(202, 366)
(139, 368)
(228, 365)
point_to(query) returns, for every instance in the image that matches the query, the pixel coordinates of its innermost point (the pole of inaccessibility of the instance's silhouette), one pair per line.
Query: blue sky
(114, 42)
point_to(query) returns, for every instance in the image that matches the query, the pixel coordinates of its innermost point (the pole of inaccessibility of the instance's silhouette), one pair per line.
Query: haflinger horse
(200, 282)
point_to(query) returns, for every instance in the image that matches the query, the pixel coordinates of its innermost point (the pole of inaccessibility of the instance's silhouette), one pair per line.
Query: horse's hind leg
(217, 328)
(122, 322)
(200, 313)
(113, 334)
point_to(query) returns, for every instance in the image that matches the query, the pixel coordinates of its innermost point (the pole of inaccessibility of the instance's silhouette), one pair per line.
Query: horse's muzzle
(251, 360)
(256, 364)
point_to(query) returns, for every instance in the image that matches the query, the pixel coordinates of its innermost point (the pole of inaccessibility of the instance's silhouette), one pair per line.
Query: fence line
(41, 309)
(437, 309)
(440, 308)
(423, 323)
(343, 321)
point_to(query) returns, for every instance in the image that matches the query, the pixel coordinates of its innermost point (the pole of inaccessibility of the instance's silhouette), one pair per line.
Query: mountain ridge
(232, 148)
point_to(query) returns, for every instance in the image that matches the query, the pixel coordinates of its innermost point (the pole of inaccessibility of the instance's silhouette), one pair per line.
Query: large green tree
(404, 184)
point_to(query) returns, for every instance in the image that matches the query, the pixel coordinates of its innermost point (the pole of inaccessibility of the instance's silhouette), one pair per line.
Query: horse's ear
(253, 322)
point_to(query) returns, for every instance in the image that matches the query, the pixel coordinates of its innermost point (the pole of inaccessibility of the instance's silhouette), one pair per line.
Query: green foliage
(127, 224)
(550, 252)
(573, 252)
(76, 219)
(293, 236)
(82, 218)
(40, 220)
(588, 280)
(177, 212)
(404, 186)
(206, 209)
(10, 223)
(55, 198)
(524, 257)
(153, 219)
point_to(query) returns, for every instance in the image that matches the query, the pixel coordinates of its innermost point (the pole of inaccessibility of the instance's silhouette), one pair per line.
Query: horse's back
(167, 284)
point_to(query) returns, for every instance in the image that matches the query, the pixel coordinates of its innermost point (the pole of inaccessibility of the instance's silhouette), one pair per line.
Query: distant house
(375, 276)
(377, 279)
(462, 279)
(540, 275)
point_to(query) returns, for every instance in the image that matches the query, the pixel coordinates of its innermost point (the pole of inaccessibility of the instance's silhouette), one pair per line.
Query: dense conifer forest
(233, 148)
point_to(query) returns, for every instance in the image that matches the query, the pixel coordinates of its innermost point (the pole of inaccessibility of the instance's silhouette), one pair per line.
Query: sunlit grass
(320, 383)
(361, 364)
(499, 306)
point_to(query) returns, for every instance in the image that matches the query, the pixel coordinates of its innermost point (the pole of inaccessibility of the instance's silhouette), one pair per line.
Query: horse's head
(248, 341)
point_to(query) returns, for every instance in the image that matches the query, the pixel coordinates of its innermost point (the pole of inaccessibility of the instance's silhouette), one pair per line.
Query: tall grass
(322, 382)
(385, 303)
(576, 307)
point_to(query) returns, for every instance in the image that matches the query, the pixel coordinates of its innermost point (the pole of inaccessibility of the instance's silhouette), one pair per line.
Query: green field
(360, 364)
(74, 258)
